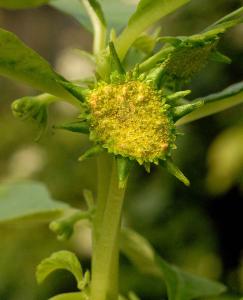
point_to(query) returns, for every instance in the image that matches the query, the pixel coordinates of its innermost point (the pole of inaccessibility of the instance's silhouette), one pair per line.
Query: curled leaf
(60, 260)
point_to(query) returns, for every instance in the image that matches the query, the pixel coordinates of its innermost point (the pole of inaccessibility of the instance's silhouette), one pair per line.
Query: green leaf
(214, 103)
(115, 61)
(139, 251)
(180, 285)
(19, 4)
(148, 12)
(116, 12)
(71, 296)
(236, 15)
(17, 61)
(27, 200)
(185, 286)
(64, 260)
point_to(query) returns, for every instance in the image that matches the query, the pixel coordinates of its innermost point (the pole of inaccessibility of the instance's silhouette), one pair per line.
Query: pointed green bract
(91, 152)
(219, 57)
(123, 168)
(155, 76)
(173, 170)
(148, 12)
(178, 95)
(81, 126)
(182, 110)
(20, 4)
(115, 59)
(76, 90)
(17, 61)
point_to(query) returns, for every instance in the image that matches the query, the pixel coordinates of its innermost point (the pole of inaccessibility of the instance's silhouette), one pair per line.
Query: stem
(152, 60)
(105, 258)
(98, 23)
(104, 165)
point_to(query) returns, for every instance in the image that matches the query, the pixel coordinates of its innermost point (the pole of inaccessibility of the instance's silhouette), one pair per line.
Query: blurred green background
(198, 228)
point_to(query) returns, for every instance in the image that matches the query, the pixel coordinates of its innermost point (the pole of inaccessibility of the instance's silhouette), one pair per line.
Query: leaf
(139, 251)
(17, 61)
(71, 296)
(19, 4)
(65, 260)
(116, 12)
(235, 15)
(185, 286)
(148, 12)
(180, 285)
(214, 103)
(27, 200)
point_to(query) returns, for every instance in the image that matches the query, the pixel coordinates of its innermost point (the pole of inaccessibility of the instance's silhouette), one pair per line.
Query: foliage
(28, 200)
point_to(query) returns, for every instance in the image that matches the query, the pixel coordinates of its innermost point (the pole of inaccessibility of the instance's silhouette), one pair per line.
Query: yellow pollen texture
(130, 119)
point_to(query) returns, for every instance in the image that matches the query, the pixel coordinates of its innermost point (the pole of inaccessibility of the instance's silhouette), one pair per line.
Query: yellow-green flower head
(132, 119)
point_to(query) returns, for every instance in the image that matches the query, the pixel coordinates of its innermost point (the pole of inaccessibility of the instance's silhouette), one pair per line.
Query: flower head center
(131, 119)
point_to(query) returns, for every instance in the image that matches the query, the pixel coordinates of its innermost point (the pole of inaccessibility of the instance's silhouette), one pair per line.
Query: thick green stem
(104, 165)
(105, 257)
